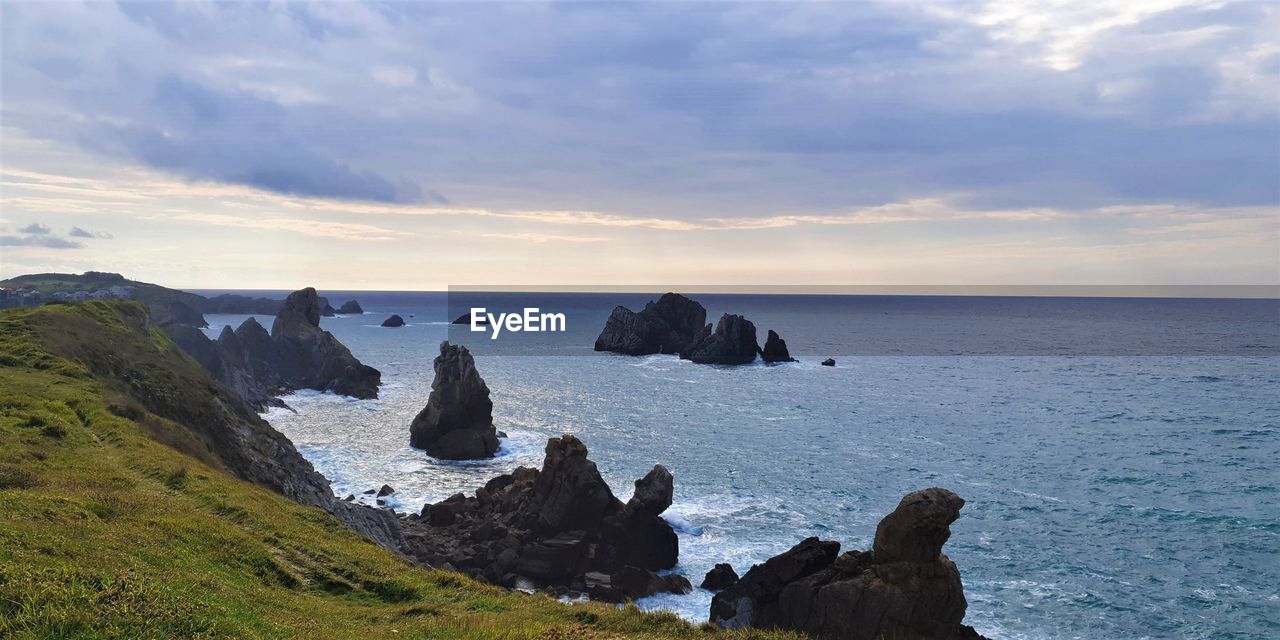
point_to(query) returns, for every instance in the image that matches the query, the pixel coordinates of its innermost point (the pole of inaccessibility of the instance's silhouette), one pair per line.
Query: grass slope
(113, 526)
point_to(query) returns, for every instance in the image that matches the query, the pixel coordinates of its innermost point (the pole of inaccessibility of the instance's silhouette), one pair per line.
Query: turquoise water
(1108, 496)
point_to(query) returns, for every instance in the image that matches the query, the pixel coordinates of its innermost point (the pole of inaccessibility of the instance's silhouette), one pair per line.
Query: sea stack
(393, 321)
(733, 342)
(775, 349)
(666, 326)
(350, 308)
(903, 588)
(457, 423)
(309, 357)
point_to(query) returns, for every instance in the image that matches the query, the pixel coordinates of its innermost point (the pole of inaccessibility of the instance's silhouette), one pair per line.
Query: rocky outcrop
(732, 342)
(666, 326)
(559, 527)
(903, 588)
(775, 349)
(326, 309)
(829, 362)
(457, 423)
(297, 354)
(350, 308)
(720, 577)
(169, 312)
(393, 321)
(237, 304)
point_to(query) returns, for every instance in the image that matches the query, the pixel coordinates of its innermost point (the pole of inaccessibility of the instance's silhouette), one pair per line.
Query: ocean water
(1110, 494)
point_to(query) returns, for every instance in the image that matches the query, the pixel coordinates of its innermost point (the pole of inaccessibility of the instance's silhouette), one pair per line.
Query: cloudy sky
(414, 146)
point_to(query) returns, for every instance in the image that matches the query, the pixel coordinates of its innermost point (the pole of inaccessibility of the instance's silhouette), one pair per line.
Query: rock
(903, 588)
(349, 498)
(167, 312)
(307, 357)
(350, 308)
(457, 423)
(386, 490)
(369, 492)
(732, 342)
(393, 321)
(829, 362)
(721, 576)
(232, 303)
(466, 319)
(326, 309)
(559, 527)
(775, 349)
(666, 326)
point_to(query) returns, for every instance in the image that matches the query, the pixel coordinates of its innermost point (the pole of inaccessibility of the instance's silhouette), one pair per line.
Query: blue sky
(245, 144)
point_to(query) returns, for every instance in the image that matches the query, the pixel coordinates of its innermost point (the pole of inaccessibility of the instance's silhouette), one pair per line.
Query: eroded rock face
(732, 342)
(665, 326)
(775, 349)
(457, 423)
(903, 588)
(559, 527)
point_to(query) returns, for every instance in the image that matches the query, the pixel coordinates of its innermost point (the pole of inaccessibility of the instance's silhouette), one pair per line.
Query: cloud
(35, 228)
(542, 237)
(319, 229)
(77, 232)
(48, 242)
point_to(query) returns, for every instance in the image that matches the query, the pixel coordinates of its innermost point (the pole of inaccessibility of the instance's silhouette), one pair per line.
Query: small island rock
(829, 362)
(350, 308)
(732, 342)
(775, 349)
(393, 321)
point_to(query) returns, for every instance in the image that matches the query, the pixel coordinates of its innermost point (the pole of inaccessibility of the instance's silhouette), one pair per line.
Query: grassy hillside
(116, 522)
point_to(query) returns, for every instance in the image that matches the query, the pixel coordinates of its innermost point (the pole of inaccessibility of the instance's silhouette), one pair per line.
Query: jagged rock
(457, 423)
(350, 308)
(326, 309)
(666, 326)
(559, 527)
(386, 490)
(903, 588)
(732, 342)
(167, 312)
(829, 362)
(775, 349)
(393, 321)
(308, 357)
(721, 576)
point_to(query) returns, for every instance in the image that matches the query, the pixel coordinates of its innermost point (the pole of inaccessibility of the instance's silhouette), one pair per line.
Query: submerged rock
(732, 342)
(666, 326)
(393, 321)
(457, 423)
(775, 349)
(559, 527)
(903, 588)
(350, 308)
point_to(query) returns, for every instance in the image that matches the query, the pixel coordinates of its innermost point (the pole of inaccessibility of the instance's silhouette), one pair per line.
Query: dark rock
(775, 349)
(350, 308)
(903, 588)
(457, 423)
(349, 498)
(307, 357)
(386, 490)
(369, 492)
(326, 309)
(559, 527)
(393, 321)
(167, 312)
(721, 576)
(829, 362)
(232, 303)
(732, 342)
(666, 326)
(466, 319)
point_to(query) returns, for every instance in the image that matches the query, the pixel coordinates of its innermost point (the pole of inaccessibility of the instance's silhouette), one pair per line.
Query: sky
(412, 146)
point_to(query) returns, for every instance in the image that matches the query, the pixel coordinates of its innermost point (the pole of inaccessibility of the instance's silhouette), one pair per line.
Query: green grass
(110, 527)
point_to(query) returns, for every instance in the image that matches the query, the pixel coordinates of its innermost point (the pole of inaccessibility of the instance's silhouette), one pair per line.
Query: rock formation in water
(237, 304)
(665, 326)
(775, 349)
(732, 342)
(720, 577)
(393, 321)
(903, 588)
(326, 309)
(829, 362)
(350, 308)
(308, 357)
(258, 366)
(559, 527)
(457, 423)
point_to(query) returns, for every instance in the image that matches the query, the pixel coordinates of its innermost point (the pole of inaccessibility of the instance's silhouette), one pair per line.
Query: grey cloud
(48, 242)
(35, 228)
(77, 232)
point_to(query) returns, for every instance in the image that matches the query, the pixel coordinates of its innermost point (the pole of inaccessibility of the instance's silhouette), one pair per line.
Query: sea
(1118, 456)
